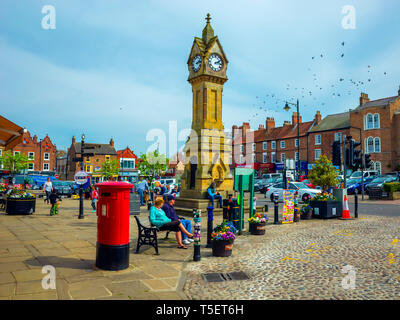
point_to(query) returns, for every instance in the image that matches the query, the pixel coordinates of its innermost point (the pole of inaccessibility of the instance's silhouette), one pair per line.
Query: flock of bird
(272, 103)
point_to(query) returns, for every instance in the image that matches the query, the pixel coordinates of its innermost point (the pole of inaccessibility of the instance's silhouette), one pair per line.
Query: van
(367, 174)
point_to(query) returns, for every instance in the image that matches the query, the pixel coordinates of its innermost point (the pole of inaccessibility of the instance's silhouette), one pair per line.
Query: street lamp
(287, 108)
(80, 187)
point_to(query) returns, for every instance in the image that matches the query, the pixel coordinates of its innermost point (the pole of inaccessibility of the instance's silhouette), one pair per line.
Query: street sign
(279, 166)
(81, 177)
(56, 176)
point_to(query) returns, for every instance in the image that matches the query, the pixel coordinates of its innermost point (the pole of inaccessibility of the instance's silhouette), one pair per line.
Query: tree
(152, 163)
(14, 163)
(110, 169)
(323, 173)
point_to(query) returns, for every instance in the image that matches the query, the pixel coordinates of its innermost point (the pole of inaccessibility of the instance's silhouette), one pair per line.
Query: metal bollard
(266, 208)
(355, 205)
(276, 208)
(210, 218)
(196, 234)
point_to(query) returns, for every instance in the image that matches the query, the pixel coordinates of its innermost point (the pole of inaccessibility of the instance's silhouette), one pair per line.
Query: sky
(119, 68)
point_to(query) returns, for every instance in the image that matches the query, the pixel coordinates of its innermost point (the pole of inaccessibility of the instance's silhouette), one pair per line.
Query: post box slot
(106, 194)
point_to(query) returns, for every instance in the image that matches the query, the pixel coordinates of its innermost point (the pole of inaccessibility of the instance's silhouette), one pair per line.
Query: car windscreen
(353, 181)
(301, 185)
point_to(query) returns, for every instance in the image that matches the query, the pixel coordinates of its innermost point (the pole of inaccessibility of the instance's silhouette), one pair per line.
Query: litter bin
(112, 249)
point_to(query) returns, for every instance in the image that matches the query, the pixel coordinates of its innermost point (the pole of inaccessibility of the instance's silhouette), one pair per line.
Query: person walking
(47, 188)
(143, 185)
(170, 212)
(94, 196)
(158, 218)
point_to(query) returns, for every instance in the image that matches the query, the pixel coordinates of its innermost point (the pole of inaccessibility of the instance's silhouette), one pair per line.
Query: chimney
(112, 142)
(286, 123)
(73, 139)
(294, 118)
(261, 127)
(35, 138)
(318, 117)
(364, 98)
(270, 124)
(245, 128)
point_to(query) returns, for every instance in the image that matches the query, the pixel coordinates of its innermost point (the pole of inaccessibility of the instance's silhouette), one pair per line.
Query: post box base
(113, 258)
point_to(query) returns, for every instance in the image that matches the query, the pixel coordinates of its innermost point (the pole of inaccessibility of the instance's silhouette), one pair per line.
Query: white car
(303, 191)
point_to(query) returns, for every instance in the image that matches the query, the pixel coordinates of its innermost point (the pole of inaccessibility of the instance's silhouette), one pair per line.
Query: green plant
(391, 187)
(325, 196)
(14, 163)
(152, 163)
(323, 173)
(110, 169)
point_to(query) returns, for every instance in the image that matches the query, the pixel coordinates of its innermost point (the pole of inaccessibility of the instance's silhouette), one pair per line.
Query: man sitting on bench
(170, 212)
(212, 194)
(162, 222)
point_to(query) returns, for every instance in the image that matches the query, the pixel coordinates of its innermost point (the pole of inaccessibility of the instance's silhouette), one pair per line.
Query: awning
(10, 133)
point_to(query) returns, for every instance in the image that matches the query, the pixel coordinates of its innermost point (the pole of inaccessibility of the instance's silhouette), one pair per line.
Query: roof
(10, 133)
(105, 149)
(377, 103)
(332, 122)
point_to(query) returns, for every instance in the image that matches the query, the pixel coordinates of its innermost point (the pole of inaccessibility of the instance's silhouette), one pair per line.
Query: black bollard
(355, 205)
(266, 208)
(210, 218)
(276, 211)
(196, 234)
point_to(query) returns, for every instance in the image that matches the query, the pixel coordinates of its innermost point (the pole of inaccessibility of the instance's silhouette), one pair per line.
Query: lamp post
(80, 187)
(287, 108)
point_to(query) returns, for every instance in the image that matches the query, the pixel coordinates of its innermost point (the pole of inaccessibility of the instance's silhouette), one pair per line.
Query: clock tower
(207, 150)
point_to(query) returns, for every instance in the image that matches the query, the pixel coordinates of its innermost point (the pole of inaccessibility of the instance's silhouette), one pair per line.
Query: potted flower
(325, 206)
(306, 211)
(257, 223)
(20, 202)
(296, 217)
(222, 239)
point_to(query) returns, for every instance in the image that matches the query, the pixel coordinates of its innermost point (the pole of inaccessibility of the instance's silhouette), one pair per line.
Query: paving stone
(76, 244)
(87, 290)
(29, 287)
(6, 277)
(28, 275)
(48, 295)
(7, 289)
(12, 266)
(156, 284)
(135, 290)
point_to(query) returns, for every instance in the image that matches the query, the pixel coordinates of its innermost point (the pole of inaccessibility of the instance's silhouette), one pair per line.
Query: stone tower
(207, 150)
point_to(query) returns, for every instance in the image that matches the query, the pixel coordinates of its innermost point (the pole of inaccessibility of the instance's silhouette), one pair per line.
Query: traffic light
(355, 155)
(336, 159)
(367, 160)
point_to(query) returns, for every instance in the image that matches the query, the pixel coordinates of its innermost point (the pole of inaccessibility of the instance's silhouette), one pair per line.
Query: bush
(391, 187)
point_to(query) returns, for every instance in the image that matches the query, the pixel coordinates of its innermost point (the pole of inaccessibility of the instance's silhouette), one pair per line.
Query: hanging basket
(257, 229)
(222, 248)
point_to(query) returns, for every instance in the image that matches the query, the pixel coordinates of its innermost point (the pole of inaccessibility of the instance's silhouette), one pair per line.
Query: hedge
(391, 187)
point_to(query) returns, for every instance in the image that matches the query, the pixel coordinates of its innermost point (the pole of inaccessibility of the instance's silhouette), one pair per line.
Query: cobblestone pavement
(304, 261)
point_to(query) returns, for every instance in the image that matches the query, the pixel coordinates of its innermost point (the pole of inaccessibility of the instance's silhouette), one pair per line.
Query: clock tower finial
(208, 31)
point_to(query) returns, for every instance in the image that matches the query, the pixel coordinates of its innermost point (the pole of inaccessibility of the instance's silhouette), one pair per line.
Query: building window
(46, 167)
(296, 143)
(264, 158)
(317, 154)
(46, 156)
(16, 152)
(31, 155)
(369, 122)
(370, 144)
(127, 163)
(107, 158)
(282, 157)
(378, 167)
(338, 136)
(241, 148)
(264, 146)
(241, 159)
(318, 139)
(30, 166)
(296, 156)
(377, 145)
(254, 158)
(273, 145)
(254, 147)
(376, 121)
(273, 157)
(283, 144)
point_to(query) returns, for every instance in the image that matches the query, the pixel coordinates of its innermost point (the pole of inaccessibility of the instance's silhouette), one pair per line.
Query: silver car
(303, 191)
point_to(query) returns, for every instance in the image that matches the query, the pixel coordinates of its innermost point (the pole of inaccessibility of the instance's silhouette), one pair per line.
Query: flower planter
(394, 195)
(257, 229)
(326, 209)
(222, 248)
(20, 206)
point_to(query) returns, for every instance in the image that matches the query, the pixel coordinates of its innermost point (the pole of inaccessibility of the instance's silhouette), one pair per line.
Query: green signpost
(244, 181)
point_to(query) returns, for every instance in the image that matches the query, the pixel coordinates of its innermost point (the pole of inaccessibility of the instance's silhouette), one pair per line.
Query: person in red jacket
(94, 196)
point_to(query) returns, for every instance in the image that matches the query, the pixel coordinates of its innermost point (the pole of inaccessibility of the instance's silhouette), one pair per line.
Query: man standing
(47, 188)
(170, 212)
(143, 185)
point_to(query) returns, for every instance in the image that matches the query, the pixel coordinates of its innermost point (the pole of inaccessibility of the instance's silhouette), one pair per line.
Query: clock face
(196, 63)
(215, 62)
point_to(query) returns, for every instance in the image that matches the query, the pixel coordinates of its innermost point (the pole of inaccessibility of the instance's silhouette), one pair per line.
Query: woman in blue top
(162, 222)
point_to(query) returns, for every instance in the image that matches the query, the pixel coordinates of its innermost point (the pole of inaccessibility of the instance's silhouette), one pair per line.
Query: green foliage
(323, 173)
(391, 187)
(14, 163)
(110, 169)
(152, 163)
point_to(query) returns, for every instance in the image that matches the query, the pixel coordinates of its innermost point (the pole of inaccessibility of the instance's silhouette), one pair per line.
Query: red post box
(112, 250)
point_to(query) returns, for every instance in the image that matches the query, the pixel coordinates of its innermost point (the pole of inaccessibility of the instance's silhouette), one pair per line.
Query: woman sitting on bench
(162, 222)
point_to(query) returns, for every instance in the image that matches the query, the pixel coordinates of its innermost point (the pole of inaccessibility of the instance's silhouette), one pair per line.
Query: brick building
(92, 165)
(127, 160)
(42, 153)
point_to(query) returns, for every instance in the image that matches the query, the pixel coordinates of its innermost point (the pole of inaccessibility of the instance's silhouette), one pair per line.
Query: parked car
(269, 182)
(63, 188)
(355, 185)
(367, 174)
(304, 192)
(380, 181)
(258, 183)
(308, 184)
(272, 175)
